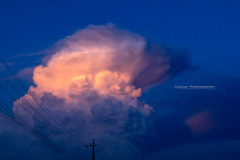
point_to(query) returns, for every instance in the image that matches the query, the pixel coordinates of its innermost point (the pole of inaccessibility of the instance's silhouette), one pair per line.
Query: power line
(25, 109)
(19, 121)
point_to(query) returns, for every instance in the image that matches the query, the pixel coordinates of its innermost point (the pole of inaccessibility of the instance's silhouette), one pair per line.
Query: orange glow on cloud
(103, 62)
(103, 59)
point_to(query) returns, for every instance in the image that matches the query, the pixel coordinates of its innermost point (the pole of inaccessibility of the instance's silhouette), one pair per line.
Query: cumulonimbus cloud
(91, 86)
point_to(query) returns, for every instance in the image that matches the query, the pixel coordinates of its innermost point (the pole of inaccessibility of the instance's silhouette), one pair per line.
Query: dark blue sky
(209, 30)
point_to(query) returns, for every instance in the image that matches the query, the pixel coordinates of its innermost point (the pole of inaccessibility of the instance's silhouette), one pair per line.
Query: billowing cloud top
(101, 58)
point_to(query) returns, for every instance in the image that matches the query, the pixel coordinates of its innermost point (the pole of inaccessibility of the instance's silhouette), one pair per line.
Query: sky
(166, 44)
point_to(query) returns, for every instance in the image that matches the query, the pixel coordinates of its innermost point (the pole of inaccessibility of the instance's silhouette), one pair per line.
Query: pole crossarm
(93, 145)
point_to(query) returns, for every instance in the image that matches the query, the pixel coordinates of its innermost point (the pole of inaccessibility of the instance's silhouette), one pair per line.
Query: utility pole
(93, 145)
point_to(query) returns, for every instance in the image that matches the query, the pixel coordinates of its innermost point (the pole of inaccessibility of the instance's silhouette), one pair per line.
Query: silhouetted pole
(93, 145)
